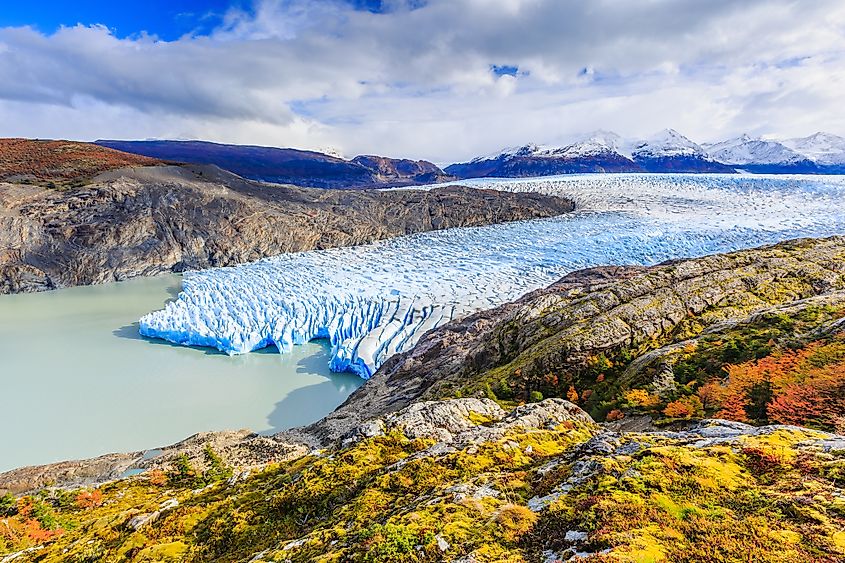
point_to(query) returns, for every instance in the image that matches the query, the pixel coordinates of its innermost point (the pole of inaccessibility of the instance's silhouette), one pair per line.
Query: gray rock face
(462, 423)
(145, 221)
(440, 420)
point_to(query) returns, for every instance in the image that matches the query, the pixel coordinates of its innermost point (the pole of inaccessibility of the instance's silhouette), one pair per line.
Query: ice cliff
(375, 300)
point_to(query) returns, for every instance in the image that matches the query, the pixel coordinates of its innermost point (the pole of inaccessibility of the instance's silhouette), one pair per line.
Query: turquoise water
(76, 379)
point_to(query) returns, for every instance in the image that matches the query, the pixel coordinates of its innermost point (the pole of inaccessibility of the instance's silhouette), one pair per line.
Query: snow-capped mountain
(669, 151)
(666, 143)
(746, 150)
(822, 148)
(601, 151)
(666, 151)
(760, 155)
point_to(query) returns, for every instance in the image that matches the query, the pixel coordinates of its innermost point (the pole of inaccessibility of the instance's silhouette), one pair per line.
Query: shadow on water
(301, 406)
(132, 332)
(315, 363)
(310, 403)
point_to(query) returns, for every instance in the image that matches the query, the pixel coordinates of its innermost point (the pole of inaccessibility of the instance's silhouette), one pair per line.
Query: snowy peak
(595, 143)
(745, 150)
(667, 143)
(822, 148)
(592, 144)
(666, 151)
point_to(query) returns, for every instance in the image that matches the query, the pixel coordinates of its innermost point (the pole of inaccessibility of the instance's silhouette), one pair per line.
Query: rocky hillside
(60, 163)
(665, 332)
(144, 221)
(291, 166)
(465, 480)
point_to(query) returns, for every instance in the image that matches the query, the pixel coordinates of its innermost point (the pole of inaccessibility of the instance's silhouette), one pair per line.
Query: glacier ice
(375, 300)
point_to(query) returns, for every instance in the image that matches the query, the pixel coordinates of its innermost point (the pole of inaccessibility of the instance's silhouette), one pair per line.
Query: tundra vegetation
(532, 492)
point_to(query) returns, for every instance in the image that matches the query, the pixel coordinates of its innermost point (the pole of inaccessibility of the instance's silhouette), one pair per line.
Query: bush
(687, 407)
(8, 505)
(391, 543)
(515, 521)
(183, 473)
(217, 470)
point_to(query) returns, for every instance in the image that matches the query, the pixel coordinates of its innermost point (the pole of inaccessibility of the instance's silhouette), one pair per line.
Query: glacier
(375, 300)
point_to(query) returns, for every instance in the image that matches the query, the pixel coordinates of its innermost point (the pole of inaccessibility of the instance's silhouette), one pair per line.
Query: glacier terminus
(375, 300)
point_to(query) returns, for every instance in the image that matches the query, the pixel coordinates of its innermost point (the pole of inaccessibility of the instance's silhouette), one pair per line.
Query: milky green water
(76, 379)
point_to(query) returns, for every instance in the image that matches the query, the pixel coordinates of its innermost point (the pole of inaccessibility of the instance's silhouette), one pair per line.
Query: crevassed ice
(375, 300)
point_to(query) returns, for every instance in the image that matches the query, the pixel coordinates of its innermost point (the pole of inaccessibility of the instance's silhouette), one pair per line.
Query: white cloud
(419, 82)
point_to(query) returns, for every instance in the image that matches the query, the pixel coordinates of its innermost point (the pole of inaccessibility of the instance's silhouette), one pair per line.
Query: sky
(444, 80)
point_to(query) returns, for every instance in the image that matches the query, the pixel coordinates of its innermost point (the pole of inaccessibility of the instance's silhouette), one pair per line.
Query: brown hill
(60, 163)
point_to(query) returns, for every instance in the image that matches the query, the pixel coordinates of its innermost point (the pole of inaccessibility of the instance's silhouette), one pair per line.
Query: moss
(378, 500)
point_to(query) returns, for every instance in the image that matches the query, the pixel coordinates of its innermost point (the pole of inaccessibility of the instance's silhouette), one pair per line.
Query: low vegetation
(531, 494)
(779, 368)
(60, 164)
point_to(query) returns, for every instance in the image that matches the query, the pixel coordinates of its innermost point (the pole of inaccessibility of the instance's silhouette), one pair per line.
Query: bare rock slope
(148, 220)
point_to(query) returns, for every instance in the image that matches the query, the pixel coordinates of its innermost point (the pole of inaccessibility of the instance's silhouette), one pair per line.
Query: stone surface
(149, 220)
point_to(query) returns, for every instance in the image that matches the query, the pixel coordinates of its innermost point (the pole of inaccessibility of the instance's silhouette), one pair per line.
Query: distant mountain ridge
(665, 152)
(290, 166)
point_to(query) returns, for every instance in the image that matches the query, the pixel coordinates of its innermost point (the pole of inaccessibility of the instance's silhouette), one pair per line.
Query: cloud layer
(442, 79)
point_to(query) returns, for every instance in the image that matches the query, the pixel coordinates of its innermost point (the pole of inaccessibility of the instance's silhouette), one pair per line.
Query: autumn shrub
(89, 499)
(685, 407)
(762, 461)
(515, 521)
(802, 387)
(641, 398)
(614, 415)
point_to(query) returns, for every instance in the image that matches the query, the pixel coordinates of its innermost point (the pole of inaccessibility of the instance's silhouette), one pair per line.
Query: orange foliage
(712, 394)
(89, 499)
(157, 477)
(25, 526)
(572, 395)
(641, 398)
(803, 391)
(615, 414)
(686, 407)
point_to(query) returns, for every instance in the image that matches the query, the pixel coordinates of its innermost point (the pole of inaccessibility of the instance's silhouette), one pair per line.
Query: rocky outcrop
(402, 172)
(456, 422)
(144, 221)
(468, 420)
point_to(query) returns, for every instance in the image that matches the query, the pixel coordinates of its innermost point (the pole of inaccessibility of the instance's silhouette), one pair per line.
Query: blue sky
(444, 80)
(167, 19)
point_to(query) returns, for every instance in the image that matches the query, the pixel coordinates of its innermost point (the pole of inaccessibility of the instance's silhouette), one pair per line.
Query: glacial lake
(77, 380)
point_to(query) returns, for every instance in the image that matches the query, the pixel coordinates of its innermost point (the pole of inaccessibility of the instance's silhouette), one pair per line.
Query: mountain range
(667, 151)
(601, 151)
(290, 166)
